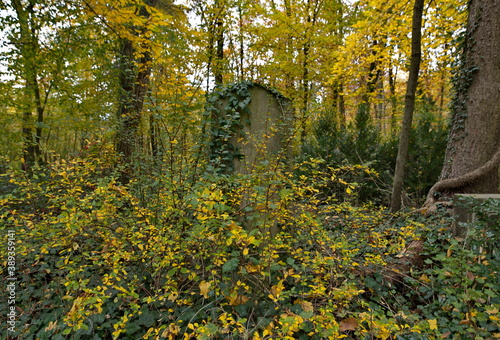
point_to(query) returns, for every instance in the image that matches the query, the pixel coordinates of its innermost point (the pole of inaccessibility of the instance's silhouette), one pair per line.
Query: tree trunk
(473, 151)
(411, 88)
(218, 31)
(363, 115)
(29, 47)
(134, 82)
(393, 100)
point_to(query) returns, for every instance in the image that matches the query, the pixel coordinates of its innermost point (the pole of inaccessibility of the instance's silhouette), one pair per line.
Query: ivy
(226, 114)
(224, 109)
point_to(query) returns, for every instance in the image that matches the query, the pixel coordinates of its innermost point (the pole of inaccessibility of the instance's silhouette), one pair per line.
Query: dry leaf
(52, 325)
(307, 306)
(470, 276)
(349, 324)
(172, 297)
(238, 299)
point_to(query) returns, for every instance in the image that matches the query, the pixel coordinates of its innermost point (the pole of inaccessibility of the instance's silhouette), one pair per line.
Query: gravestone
(250, 124)
(251, 128)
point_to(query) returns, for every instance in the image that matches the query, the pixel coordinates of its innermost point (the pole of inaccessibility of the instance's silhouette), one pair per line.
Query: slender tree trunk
(342, 112)
(473, 151)
(241, 43)
(219, 49)
(393, 99)
(29, 47)
(363, 114)
(404, 139)
(134, 82)
(305, 89)
(380, 105)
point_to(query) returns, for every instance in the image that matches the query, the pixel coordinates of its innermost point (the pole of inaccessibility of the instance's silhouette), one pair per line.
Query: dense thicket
(118, 223)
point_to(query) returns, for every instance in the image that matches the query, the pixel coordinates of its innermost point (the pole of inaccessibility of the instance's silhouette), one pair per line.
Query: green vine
(224, 110)
(226, 113)
(465, 71)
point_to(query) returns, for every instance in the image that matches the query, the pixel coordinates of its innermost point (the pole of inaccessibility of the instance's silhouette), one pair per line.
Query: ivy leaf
(230, 265)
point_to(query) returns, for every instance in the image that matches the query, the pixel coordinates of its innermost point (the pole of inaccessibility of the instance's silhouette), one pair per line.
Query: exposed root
(460, 181)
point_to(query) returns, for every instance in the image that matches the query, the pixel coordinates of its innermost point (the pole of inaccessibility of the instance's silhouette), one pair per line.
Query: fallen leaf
(173, 296)
(238, 299)
(470, 276)
(349, 324)
(307, 306)
(52, 325)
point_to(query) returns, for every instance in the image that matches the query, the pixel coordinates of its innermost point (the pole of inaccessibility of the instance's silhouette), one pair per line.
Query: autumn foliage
(163, 259)
(120, 223)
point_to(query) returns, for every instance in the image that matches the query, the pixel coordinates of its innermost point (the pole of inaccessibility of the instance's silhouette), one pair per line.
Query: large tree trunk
(473, 152)
(404, 139)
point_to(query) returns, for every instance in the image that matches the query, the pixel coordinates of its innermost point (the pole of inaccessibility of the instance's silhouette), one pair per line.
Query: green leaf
(230, 265)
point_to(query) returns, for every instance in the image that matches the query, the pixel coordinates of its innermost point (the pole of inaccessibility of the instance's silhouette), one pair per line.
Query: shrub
(96, 262)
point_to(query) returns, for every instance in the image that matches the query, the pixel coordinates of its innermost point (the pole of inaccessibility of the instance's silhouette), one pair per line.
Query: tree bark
(29, 49)
(411, 88)
(134, 82)
(473, 151)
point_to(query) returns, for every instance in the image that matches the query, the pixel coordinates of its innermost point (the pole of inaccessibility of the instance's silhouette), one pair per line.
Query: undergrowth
(164, 258)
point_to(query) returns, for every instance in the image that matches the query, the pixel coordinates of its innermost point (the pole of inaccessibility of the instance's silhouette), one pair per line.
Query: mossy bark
(475, 133)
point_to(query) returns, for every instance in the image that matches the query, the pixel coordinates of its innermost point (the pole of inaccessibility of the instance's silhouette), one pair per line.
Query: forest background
(122, 225)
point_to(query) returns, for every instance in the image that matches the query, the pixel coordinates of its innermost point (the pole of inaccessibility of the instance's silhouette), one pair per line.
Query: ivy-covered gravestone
(250, 124)
(251, 127)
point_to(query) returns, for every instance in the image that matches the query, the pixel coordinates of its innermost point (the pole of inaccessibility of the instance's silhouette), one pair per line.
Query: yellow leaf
(172, 297)
(424, 278)
(349, 324)
(204, 288)
(492, 311)
(449, 252)
(245, 251)
(238, 299)
(432, 324)
(276, 289)
(52, 325)
(307, 306)
(252, 268)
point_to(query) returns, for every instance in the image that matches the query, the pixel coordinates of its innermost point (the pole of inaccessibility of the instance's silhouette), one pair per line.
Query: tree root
(460, 181)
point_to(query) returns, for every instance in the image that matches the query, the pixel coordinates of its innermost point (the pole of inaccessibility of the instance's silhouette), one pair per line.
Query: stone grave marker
(251, 131)
(250, 123)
